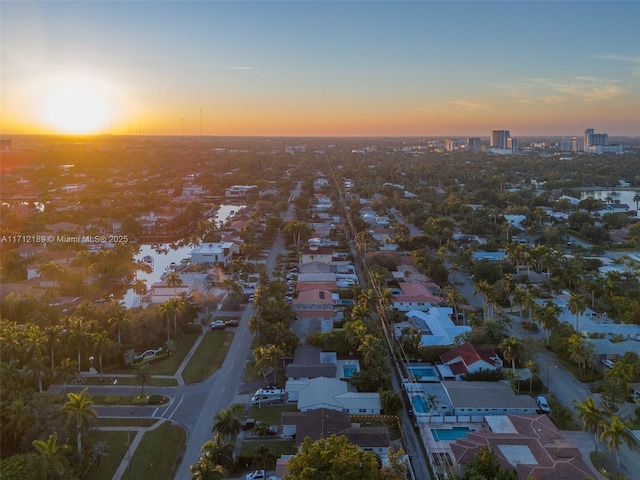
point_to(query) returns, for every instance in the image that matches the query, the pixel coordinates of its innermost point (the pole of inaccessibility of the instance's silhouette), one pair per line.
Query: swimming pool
(348, 371)
(423, 373)
(454, 433)
(419, 404)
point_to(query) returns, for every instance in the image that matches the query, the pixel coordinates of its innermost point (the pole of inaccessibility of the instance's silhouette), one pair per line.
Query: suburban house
(216, 253)
(487, 398)
(531, 445)
(314, 253)
(323, 281)
(414, 296)
(468, 358)
(436, 326)
(315, 303)
(311, 362)
(333, 394)
(322, 423)
(238, 191)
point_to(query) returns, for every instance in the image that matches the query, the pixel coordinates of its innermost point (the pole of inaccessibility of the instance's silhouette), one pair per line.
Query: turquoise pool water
(419, 404)
(348, 370)
(423, 373)
(449, 433)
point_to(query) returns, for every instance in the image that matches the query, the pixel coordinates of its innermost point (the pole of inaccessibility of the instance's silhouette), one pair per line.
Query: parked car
(607, 363)
(257, 475)
(218, 325)
(543, 405)
(232, 323)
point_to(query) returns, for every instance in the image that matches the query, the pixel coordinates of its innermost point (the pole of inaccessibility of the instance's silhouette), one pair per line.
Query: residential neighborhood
(249, 318)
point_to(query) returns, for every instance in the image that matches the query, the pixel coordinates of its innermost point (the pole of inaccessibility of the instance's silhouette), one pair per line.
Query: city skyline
(320, 68)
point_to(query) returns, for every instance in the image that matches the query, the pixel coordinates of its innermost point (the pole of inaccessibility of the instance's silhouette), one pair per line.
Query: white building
(215, 253)
(333, 394)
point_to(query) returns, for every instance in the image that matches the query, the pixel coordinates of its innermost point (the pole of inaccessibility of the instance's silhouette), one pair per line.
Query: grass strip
(208, 357)
(157, 454)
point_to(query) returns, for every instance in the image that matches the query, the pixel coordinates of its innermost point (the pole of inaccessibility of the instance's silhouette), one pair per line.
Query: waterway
(625, 196)
(163, 256)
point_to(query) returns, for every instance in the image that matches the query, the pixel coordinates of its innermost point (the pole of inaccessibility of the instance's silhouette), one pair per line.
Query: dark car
(232, 323)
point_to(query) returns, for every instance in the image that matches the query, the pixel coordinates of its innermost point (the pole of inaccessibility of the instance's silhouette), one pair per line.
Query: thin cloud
(469, 106)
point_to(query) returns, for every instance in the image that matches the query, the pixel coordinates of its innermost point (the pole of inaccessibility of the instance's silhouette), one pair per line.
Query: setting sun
(76, 104)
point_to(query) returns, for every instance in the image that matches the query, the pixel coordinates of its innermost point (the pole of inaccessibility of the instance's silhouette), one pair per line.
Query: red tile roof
(470, 355)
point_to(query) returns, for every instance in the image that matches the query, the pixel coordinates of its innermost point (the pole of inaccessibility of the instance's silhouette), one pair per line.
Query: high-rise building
(474, 144)
(499, 138)
(592, 139)
(512, 144)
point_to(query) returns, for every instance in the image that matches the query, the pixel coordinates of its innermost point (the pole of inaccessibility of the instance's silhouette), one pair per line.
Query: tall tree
(80, 412)
(615, 433)
(51, 457)
(118, 320)
(144, 373)
(511, 350)
(332, 458)
(577, 305)
(593, 418)
(228, 423)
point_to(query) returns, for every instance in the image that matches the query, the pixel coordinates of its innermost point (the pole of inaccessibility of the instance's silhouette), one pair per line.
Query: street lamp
(91, 360)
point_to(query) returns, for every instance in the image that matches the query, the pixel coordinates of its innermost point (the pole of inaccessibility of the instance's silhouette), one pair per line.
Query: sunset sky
(320, 68)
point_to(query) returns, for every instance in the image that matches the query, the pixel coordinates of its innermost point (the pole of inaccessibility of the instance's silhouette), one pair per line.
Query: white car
(257, 475)
(543, 405)
(607, 363)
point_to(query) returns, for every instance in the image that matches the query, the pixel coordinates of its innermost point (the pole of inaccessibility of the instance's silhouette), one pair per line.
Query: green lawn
(270, 414)
(157, 454)
(166, 365)
(124, 422)
(277, 447)
(208, 357)
(391, 425)
(131, 381)
(116, 450)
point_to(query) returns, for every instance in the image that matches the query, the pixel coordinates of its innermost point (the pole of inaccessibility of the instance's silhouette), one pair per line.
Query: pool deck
(442, 446)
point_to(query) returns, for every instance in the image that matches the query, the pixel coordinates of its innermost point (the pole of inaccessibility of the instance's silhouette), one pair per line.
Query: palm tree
(18, 419)
(67, 370)
(577, 305)
(577, 350)
(636, 198)
(80, 412)
(173, 280)
(371, 349)
(171, 308)
(143, 375)
(228, 423)
(616, 433)
(52, 460)
(118, 320)
(78, 336)
(129, 357)
(511, 349)
(219, 452)
(205, 469)
(11, 335)
(99, 450)
(263, 459)
(102, 342)
(432, 403)
(485, 289)
(593, 418)
(534, 368)
(354, 332)
(509, 284)
(34, 342)
(519, 297)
